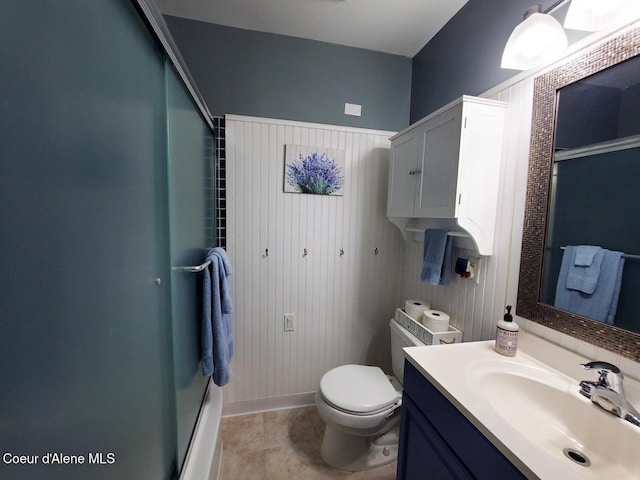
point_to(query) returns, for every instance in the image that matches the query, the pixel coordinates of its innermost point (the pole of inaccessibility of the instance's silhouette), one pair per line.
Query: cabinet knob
(412, 172)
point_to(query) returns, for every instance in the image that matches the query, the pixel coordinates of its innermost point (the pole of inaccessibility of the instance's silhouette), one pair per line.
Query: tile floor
(282, 445)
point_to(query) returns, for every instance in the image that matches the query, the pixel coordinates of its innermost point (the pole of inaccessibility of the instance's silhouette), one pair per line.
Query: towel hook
(304, 252)
(341, 251)
(375, 251)
(266, 253)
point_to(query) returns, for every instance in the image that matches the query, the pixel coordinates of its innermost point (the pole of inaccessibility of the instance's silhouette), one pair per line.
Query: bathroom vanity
(469, 412)
(436, 438)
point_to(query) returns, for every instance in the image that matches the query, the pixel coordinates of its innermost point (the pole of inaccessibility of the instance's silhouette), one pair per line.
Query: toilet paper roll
(415, 308)
(435, 320)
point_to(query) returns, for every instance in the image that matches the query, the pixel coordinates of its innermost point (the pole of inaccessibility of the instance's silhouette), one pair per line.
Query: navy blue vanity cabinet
(438, 442)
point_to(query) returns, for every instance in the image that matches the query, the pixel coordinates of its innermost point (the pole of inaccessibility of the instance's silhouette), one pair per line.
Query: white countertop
(447, 367)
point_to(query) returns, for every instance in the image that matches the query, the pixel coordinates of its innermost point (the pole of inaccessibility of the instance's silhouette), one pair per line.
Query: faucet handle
(612, 382)
(606, 366)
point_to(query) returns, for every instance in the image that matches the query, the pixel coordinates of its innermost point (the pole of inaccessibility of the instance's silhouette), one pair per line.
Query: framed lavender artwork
(314, 170)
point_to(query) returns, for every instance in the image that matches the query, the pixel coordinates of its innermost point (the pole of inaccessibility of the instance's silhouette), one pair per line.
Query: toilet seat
(359, 390)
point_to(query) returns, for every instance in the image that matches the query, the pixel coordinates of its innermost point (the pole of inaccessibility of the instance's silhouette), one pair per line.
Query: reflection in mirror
(582, 192)
(593, 208)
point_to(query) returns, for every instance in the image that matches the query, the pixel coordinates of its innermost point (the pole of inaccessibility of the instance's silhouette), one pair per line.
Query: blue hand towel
(603, 302)
(584, 270)
(217, 337)
(584, 255)
(436, 266)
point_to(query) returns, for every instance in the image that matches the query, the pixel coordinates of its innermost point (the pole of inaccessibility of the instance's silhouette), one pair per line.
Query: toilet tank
(400, 337)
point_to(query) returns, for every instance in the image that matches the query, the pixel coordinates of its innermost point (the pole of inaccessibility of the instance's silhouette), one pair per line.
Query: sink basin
(547, 408)
(532, 412)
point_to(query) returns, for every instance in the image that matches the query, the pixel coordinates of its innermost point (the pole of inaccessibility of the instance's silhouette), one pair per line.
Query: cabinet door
(405, 151)
(479, 171)
(458, 442)
(423, 452)
(437, 181)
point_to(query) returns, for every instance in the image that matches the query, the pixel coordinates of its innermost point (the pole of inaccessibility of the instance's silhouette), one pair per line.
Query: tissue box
(452, 335)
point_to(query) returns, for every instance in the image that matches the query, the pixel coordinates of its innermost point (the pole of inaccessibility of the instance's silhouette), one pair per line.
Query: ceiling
(400, 27)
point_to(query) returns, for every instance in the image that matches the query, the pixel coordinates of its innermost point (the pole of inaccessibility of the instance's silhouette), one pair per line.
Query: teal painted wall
(266, 75)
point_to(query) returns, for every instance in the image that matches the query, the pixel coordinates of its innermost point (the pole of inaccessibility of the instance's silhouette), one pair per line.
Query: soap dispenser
(507, 335)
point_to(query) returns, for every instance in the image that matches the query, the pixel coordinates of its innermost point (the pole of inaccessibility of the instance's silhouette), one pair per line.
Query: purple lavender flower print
(315, 173)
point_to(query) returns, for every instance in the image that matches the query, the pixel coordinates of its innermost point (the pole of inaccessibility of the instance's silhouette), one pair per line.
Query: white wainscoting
(342, 303)
(475, 308)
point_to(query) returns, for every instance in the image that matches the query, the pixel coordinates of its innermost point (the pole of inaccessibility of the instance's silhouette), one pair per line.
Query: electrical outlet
(289, 322)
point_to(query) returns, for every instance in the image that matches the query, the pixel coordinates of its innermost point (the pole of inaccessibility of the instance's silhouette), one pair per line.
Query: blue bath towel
(584, 270)
(603, 302)
(217, 337)
(436, 266)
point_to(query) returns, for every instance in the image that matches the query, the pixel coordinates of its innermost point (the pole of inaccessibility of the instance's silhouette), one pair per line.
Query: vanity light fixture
(538, 38)
(593, 15)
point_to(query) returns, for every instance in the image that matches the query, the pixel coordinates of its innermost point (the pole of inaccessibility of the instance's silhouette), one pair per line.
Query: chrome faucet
(608, 391)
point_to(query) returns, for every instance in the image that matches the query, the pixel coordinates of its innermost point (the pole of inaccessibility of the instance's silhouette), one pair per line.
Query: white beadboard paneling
(342, 303)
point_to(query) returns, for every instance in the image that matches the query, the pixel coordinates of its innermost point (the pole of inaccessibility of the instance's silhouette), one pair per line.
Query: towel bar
(195, 269)
(625, 255)
(450, 233)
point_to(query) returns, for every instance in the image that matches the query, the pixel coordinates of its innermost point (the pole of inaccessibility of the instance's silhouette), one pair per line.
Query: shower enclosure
(105, 191)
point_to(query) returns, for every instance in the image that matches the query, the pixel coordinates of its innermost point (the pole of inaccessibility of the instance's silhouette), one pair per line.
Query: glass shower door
(190, 169)
(86, 368)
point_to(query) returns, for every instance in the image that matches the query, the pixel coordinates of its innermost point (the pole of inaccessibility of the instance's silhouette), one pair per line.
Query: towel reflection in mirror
(589, 282)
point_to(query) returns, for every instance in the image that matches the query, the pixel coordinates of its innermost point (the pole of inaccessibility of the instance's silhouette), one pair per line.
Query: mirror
(583, 165)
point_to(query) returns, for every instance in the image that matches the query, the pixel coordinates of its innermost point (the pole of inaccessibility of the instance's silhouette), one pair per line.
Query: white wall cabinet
(445, 170)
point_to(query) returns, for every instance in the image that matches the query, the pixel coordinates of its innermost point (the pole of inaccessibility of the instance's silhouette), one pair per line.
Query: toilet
(361, 408)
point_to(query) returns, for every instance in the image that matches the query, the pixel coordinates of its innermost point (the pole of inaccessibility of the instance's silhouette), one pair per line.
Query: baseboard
(266, 404)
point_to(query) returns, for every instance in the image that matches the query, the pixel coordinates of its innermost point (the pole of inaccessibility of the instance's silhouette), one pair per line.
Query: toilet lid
(357, 388)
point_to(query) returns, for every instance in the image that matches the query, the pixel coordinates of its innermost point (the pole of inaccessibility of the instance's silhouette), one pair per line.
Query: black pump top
(507, 316)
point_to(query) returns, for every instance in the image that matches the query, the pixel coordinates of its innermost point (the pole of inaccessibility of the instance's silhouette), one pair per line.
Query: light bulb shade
(593, 15)
(538, 39)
